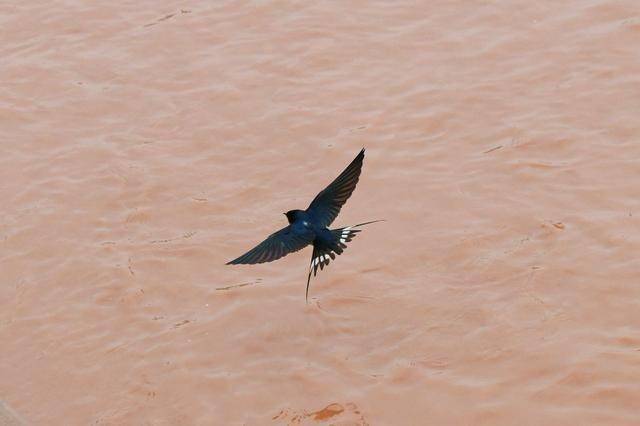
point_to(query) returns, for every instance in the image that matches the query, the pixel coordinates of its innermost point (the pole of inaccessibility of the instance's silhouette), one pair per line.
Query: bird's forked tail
(322, 254)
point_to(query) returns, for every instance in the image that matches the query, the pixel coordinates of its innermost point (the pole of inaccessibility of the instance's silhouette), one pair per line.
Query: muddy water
(143, 145)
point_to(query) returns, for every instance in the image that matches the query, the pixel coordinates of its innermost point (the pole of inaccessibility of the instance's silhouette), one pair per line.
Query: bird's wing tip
(360, 154)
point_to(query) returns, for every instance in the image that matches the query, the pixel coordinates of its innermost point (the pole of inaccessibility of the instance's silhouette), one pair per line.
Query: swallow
(311, 227)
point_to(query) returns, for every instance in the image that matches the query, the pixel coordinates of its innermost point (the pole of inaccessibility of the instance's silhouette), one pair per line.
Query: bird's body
(311, 226)
(303, 223)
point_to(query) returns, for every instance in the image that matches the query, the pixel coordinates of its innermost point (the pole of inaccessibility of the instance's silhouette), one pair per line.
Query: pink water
(144, 144)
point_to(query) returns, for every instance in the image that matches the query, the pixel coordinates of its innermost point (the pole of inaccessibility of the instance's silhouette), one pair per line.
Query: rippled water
(144, 144)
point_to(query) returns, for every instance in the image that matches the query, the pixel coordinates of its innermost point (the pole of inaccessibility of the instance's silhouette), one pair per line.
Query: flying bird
(311, 227)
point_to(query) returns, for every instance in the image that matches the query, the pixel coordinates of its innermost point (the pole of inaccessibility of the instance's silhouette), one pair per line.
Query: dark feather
(277, 245)
(327, 204)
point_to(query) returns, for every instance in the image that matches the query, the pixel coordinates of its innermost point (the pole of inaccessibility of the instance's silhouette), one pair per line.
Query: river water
(144, 144)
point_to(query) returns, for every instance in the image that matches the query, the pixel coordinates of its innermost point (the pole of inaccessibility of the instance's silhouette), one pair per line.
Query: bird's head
(292, 215)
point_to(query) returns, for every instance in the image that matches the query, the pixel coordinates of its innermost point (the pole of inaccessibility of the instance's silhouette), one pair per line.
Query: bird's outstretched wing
(277, 245)
(326, 206)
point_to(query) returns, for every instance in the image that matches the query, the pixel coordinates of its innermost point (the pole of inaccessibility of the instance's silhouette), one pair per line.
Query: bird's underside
(310, 227)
